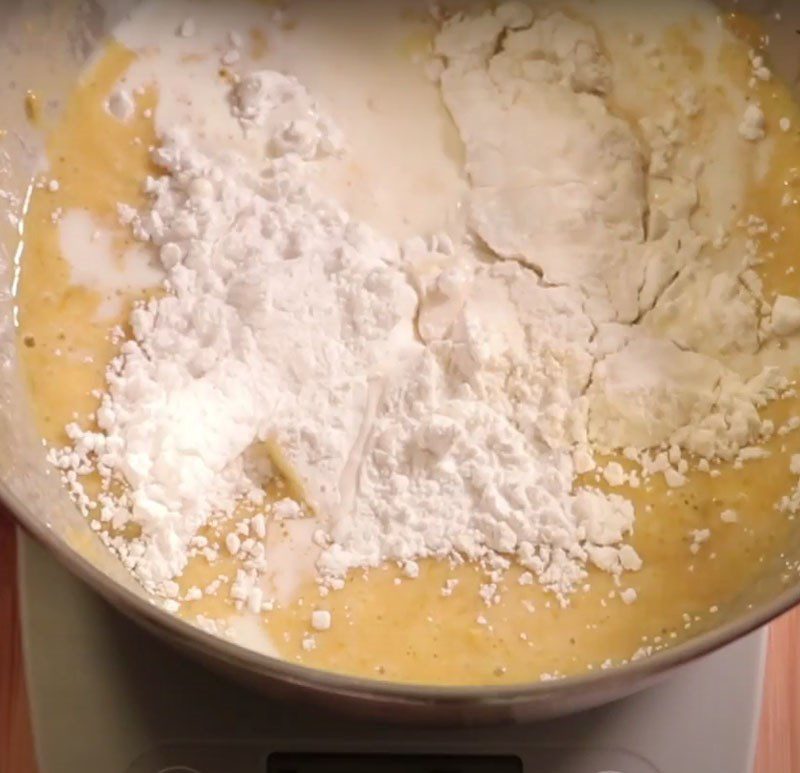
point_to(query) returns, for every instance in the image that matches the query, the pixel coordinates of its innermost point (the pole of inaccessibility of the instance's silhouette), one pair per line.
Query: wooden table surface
(779, 742)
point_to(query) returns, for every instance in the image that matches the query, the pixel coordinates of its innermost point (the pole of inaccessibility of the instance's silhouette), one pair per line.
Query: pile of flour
(429, 398)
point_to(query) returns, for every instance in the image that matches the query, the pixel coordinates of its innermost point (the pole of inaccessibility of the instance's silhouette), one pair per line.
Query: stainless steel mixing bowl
(42, 47)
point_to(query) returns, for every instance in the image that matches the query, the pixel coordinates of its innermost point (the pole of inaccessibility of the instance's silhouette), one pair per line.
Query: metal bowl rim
(370, 689)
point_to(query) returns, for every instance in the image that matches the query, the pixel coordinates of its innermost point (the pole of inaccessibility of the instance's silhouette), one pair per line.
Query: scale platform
(108, 697)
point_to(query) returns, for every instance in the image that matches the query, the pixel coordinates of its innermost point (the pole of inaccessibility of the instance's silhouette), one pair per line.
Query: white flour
(429, 399)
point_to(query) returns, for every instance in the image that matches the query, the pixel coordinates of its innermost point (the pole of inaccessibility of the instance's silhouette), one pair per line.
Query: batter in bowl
(463, 361)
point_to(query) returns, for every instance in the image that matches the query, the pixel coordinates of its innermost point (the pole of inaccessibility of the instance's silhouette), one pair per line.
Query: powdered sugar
(785, 318)
(285, 117)
(753, 125)
(230, 345)
(426, 399)
(470, 452)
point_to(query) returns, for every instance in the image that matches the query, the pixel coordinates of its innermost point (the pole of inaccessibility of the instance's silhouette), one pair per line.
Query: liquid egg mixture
(444, 345)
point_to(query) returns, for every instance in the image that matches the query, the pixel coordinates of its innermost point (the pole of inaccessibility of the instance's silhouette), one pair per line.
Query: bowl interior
(43, 46)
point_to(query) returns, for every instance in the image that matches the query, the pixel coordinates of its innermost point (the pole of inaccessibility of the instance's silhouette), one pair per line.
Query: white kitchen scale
(107, 697)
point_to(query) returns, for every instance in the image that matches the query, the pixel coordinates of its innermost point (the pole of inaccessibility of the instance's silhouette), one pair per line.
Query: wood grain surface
(16, 739)
(779, 737)
(779, 740)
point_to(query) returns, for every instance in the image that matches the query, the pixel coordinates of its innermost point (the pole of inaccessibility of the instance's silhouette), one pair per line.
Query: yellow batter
(384, 625)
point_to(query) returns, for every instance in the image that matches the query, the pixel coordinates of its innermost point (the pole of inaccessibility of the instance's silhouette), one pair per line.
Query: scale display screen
(390, 763)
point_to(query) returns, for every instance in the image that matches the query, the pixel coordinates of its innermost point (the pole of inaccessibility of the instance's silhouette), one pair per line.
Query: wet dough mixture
(526, 408)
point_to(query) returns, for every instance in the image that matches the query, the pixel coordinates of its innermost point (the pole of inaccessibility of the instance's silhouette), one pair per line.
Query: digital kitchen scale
(107, 697)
